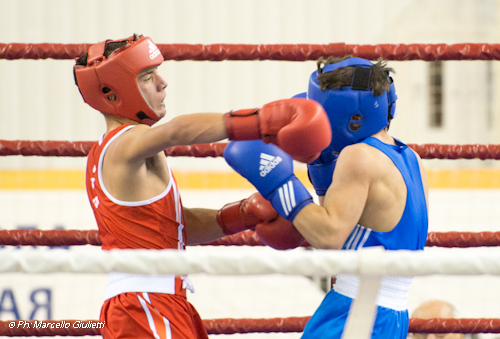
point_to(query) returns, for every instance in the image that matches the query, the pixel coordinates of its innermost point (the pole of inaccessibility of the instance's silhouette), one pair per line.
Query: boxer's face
(153, 87)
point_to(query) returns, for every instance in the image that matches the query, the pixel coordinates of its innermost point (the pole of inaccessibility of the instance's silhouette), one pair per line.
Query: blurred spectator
(435, 309)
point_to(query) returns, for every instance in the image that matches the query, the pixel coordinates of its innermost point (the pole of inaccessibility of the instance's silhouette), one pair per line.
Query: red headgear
(98, 77)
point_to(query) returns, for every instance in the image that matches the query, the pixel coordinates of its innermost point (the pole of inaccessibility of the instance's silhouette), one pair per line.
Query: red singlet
(141, 306)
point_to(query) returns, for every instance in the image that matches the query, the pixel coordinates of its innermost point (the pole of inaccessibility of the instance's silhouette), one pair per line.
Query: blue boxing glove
(320, 171)
(270, 170)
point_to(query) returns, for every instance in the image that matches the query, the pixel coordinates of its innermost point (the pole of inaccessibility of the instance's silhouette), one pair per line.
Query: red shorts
(151, 315)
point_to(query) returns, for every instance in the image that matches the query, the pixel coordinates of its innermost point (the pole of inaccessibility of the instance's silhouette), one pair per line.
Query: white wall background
(39, 101)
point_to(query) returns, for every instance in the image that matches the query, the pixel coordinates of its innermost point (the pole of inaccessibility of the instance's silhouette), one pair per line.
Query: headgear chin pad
(100, 77)
(354, 112)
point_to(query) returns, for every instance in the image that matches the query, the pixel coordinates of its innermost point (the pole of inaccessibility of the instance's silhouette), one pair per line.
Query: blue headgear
(354, 112)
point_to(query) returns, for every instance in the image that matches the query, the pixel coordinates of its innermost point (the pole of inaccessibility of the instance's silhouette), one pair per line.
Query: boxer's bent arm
(143, 142)
(201, 226)
(329, 226)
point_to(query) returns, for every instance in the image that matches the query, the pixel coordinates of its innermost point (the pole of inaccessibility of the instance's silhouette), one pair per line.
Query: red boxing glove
(300, 127)
(245, 214)
(279, 234)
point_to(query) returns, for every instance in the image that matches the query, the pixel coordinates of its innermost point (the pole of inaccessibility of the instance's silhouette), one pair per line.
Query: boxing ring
(366, 262)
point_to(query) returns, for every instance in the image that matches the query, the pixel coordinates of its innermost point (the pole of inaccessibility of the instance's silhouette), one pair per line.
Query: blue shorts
(329, 319)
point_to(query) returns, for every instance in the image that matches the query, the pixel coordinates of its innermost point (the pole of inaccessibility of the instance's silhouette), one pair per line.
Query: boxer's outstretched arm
(299, 126)
(143, 142)
(205, 225)
(254, 213)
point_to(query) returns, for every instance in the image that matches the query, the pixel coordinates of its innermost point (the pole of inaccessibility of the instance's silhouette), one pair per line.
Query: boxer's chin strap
(141, 115)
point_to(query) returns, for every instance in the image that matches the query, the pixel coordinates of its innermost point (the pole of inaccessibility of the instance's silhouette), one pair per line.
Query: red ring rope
(81, 149)
(28, 237)
(288, 52)
(273, 325)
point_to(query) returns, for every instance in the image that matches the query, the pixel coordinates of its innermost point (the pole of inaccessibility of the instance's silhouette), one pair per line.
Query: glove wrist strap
(290, 198)
(242, 125)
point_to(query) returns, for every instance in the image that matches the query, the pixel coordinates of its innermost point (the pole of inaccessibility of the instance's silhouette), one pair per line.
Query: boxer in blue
(372, 188)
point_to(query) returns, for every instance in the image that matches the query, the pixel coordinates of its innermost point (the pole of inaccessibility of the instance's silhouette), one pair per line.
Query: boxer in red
(133, 193)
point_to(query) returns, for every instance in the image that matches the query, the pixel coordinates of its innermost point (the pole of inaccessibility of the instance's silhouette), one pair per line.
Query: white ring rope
(370, 261)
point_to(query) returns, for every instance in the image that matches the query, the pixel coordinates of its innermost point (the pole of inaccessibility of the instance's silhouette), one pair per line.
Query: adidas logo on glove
(267, 163)
(153, 50)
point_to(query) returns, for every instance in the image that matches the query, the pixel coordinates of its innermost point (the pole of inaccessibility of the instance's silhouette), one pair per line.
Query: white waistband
(119, 282)
(393, 291)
